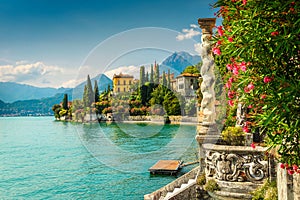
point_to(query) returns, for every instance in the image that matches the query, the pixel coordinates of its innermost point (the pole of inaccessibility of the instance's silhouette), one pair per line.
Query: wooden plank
(166, 166)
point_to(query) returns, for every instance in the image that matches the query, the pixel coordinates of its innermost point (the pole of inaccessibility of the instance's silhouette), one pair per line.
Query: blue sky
(46, 43)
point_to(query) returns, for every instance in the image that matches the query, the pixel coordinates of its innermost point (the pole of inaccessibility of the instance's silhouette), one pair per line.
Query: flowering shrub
(257, 52)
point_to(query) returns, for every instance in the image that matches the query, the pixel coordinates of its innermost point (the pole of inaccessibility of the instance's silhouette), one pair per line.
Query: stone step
(178, 190)
(224, 195)
(237, 187)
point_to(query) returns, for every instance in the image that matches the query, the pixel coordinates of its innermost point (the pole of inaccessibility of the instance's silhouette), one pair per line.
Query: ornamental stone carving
(247, 166)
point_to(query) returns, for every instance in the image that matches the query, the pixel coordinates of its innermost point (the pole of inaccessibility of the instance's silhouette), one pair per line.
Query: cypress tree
(164, 80)
(151, 74)
(147, 77)
(156, 81)
(96, 91)
(88, 94)
(65, 102)
(169, 79)
(142, 76)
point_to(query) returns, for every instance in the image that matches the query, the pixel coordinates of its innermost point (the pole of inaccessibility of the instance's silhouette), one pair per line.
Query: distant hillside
(43, 106)
(178, 61)
(102, 80)
(35, 107)
(10, 92)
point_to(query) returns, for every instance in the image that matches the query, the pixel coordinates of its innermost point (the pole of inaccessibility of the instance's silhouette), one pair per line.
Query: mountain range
(20, 99)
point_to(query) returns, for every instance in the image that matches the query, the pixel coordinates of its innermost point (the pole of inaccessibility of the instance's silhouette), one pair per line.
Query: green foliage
(201, 179)
(63, 112)
(156, 74)
(151, 75)
(258, 56)
(233, 136)
(142, 76)
(65, 102)
(268, 191)
(211, 185)
(164, 80)
(191, 69)
(165, 97)
(88, 94)
(56, 109)
(96, 91)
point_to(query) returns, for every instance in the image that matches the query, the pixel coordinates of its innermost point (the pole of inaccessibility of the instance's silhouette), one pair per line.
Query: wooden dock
(166, 167)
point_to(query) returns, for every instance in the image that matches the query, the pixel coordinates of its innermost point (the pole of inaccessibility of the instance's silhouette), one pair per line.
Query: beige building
(187, 84)
(122, 83)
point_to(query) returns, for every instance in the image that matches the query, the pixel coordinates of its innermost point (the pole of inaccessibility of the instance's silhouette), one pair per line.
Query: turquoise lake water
(44, 159)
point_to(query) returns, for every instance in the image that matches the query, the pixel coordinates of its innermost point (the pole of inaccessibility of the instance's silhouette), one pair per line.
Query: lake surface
(44, 159)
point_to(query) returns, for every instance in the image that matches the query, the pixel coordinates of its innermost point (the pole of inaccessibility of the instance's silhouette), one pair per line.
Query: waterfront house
(122, 83)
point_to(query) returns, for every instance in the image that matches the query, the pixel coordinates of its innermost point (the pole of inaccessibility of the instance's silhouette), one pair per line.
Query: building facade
(122, 83)
(187, 84)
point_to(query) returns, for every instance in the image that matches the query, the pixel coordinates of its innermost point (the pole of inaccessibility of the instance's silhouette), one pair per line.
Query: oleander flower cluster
(257, 51)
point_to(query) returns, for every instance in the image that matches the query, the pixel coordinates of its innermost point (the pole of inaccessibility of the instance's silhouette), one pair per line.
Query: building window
(124, 82)
(118, 89)
(118, 82)
(180, 86)
(124, 89)
(129, 82)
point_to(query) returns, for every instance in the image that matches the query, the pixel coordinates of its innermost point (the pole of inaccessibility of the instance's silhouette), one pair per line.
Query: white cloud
(23, 72)
(197, 47)
(132, 70)
(194, 26)
(188, 33)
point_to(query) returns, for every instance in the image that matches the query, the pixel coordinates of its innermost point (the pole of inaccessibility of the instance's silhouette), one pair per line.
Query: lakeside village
(155, 96)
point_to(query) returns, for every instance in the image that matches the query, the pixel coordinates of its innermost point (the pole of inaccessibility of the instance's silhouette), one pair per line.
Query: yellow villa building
(122, 82)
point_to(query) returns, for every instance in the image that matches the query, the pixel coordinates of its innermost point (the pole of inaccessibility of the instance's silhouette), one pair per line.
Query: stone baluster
(207, 131)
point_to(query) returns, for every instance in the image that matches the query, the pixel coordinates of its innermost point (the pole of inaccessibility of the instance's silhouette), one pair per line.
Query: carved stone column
(207, 131)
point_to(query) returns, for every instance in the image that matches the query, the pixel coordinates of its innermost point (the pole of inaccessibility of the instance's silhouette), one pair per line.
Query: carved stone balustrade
(236, 163)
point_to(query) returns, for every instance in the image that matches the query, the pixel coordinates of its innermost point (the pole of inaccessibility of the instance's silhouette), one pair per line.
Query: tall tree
(88, 94)
(169, 79)
(96, 91)
(164, 80)
(142, 76)
(156, 77)
(147, 77)
(151, 74)
(65, 102)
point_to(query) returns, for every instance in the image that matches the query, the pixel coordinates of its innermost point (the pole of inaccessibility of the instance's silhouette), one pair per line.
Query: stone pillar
(207, 130)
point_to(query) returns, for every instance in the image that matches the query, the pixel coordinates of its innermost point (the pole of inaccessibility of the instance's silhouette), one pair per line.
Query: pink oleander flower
(290, 171)
(230, 94)
(243, 66)
(281, 165)
(286, 165)
(250, 106)
(216, 51)
(228, 85)
(295, 167)
(246, 90)
(263, 96)
(275, 33)
(230, 39)
(253, 145)
(219, 42)
(298, 171)
(244, 2)
(246, 129)
(229, 66)
(220, 30)
(231, 102)
(267, 79)
(250, 86)
(235, 71)
(231, 80)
